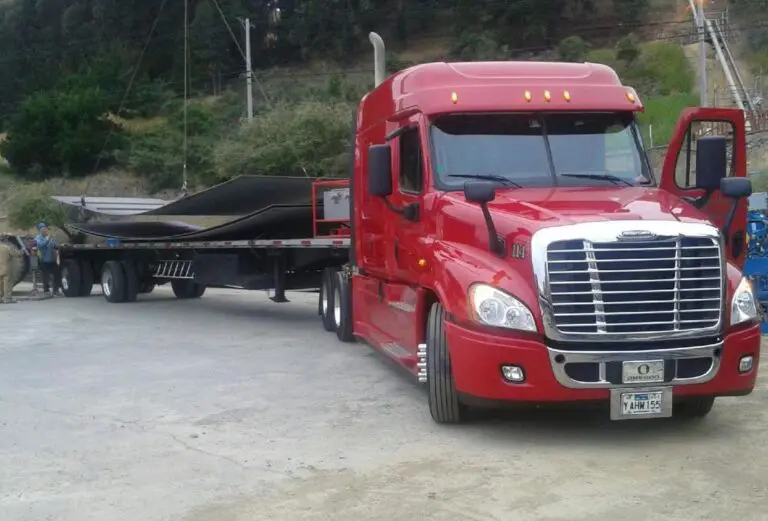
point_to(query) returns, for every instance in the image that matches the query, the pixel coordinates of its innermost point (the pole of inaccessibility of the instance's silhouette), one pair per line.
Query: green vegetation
(74, 102)
(755, 33)
(662, 75)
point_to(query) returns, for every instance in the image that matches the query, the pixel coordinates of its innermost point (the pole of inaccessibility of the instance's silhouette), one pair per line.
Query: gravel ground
(232, 408)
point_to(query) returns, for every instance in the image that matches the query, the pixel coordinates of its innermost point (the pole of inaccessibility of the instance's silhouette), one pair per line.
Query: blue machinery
(756, 267)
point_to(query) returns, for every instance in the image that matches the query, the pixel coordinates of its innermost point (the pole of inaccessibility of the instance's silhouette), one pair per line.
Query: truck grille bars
(664, 286)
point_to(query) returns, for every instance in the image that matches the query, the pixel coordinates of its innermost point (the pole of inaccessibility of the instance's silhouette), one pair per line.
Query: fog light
(513, 373)
(746, 363)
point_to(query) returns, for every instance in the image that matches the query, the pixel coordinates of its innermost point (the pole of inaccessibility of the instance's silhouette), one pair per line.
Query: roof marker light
(630, 97)
(454, 98)
(547, 96)
(567, 95)
(528, 96)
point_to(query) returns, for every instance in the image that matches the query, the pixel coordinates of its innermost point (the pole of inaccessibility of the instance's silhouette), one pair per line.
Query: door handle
(396, 247)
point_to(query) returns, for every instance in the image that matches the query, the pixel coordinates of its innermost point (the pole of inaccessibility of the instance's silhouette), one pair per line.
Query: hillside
(95, 105)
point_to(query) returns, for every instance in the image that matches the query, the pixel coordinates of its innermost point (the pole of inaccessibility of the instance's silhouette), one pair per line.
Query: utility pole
(248, 71)
(702, 55)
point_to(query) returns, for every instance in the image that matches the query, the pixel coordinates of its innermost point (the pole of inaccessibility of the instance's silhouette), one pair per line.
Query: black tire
(148, 286)
(342, 298)
(199, 290)
(695, 407)
(444, 404)
(187, 289)
(113, 282)
(71, 278)
(131, 281)
(86, 278)
(326, 304)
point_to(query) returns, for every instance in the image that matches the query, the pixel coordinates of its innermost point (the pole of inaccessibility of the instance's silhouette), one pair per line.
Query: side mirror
(380, 170)
(480, 192)
(711, 162)
(736, 187)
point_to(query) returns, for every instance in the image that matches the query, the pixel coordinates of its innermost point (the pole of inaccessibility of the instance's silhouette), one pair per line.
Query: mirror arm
(729, 220)
(495, 242)
(409, 212)
(704, 199)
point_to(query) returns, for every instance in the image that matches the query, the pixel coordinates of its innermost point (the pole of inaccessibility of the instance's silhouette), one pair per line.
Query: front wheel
(444, 404)
(695, 407)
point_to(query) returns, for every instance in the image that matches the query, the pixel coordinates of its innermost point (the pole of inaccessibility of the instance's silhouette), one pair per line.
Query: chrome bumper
(602, 359)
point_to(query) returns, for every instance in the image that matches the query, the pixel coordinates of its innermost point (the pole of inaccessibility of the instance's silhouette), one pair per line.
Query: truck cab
(513, 242)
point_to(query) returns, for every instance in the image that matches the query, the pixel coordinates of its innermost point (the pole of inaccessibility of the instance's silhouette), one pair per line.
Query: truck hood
(530, 209)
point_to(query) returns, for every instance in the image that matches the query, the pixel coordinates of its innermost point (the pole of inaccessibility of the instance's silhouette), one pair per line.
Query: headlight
(493, 307)
(743, 305)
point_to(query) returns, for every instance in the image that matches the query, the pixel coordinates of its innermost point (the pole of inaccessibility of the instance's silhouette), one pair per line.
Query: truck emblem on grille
(630, 235)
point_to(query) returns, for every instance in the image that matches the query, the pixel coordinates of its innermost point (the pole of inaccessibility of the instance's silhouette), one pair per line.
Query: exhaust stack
(379, 59)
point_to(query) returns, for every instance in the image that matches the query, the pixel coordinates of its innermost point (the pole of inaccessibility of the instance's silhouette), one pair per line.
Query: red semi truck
(511, 243)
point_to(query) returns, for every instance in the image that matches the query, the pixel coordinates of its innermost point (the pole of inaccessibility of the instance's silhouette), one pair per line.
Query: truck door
(679, 171)
(409, 168)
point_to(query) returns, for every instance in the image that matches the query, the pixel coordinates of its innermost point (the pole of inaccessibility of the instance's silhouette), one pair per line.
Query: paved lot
(233, 408)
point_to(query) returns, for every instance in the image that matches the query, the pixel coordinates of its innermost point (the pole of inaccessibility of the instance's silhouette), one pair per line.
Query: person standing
(7, 254)
(47, 250)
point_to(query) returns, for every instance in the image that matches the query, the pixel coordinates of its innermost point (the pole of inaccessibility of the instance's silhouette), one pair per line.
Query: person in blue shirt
(47, 251)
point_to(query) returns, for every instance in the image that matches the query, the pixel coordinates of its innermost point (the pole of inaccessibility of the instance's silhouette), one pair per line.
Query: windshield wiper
(489, 177)
(601, 177)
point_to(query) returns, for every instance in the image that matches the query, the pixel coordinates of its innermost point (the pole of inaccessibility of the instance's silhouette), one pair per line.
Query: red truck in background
(511, 242)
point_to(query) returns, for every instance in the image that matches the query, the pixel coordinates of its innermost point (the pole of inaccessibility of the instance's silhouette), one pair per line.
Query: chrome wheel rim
(337, 305)
(65, 279)
(324, 299)
(106, 283)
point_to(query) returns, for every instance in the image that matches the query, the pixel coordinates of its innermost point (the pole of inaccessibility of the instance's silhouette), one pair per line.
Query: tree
(573, 49)
(56, 133)
(631, 11)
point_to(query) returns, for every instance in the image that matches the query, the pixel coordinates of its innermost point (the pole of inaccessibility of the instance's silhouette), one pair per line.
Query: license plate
(645, 372)
(628, 404)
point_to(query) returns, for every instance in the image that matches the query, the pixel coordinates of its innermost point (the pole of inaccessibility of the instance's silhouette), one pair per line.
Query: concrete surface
(232, 408)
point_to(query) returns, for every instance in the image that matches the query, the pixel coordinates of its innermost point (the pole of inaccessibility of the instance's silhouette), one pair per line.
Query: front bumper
(706, 369)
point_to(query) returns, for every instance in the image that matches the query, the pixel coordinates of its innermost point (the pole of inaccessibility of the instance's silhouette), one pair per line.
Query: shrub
(572, 49)
(292, 139)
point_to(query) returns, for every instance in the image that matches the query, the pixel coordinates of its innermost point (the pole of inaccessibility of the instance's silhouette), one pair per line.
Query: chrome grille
(668, 284)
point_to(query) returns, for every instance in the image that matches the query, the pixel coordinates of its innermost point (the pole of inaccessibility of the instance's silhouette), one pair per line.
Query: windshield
(540, 150)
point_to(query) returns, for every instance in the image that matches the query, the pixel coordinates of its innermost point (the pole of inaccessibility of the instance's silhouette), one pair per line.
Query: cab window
(411, 165)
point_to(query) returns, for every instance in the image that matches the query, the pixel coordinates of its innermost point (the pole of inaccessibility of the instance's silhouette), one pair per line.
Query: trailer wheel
(86, 278)
(113, 282)
(131, 281)
(187, 289)
(342, 307)
(71, 278)
(148, 286)
(444, 405)
(695, 407)
(326, 298)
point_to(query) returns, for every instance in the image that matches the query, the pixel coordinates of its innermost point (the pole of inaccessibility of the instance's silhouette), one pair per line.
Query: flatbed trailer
(127, 269)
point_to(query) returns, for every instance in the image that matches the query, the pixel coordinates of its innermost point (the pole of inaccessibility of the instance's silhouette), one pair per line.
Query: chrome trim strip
(609, 231)
(600, 357)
